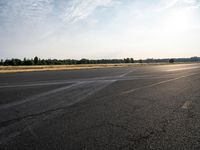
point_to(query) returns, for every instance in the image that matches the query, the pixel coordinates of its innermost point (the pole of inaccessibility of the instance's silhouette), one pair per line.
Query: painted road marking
(5, 106)
(179, 69)
(123, 75)
(159, 83)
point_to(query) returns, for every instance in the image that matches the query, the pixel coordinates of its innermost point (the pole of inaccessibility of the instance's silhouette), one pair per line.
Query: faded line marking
(95, 86)
(123, 75)
(37, 96)
(159, 83)
(17, 133)
(72, 98)
(30, 129)
(178, 69)
(108, 78)
(187, 105)
(35, 84)
(43, 83)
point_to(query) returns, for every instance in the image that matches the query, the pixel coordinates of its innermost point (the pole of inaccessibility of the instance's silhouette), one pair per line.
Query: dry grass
(13, 69)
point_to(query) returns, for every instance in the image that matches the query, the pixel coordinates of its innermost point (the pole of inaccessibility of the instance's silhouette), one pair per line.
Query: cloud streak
(24, 11)
(44, 18)
(80, 9)
(178, 3)
(28, 11)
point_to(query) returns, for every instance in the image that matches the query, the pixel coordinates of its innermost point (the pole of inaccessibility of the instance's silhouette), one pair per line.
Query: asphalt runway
(148, 107)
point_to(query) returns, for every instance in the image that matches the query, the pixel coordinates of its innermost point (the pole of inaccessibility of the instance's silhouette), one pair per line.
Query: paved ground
(152, 107)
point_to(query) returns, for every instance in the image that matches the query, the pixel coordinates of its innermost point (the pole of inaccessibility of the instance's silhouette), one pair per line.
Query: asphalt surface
(149, 107)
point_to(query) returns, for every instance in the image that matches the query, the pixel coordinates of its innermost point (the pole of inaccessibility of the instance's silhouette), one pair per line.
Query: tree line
(38, 61)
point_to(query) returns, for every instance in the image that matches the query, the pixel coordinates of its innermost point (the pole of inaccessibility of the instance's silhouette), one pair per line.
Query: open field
(146, 107)
(14, 69)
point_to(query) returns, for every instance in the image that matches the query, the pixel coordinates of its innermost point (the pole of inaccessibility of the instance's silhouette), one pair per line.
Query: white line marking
(126, 73)
(92, 87)
(159, 83)
(42, 83)
(37, 96)
(35, 84)
(178, 69)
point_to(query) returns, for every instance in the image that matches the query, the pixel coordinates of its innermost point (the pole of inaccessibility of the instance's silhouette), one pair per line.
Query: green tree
(171, 61)
(132, 60)
(1, 62)
(127, 60)
(13, 62)
(84, 61)
(141, 61)
(36, 60)
(28, 62)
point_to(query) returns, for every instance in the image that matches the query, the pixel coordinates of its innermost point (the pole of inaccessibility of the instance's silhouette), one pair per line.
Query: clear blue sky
(99, 28)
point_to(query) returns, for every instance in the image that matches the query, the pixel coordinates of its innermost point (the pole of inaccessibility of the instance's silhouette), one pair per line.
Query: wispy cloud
(45, 17)
(24, 11)
(69, 11)
(80, 9)
(178, 3)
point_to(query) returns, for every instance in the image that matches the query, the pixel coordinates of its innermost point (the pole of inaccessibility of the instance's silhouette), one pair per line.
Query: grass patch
(14, 69)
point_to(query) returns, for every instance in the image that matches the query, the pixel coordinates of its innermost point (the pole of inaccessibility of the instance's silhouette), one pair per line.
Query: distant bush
(140, 61)
(12, 62)
(38, 61)
(129, 60)
(171, 60)
(1, 62)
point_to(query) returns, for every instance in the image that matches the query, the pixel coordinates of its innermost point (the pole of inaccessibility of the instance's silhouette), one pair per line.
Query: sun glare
(180, 20)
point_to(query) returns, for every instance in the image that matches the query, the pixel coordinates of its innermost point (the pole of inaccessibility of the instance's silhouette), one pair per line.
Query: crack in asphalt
(6, 123)
(12, 121)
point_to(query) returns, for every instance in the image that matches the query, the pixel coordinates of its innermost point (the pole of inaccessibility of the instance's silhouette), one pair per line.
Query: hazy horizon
(96, 29)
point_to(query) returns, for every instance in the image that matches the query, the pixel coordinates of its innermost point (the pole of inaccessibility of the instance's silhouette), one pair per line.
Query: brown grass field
(14, 69)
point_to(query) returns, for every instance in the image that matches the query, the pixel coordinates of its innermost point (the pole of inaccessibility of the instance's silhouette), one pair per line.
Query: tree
(132, 60)
(194, 59)
(171, 61)
(24, 61)
(84, 61)
(9, 62)
(36, 60)
(127, 60)
(16, 62)
(141, 61)
(28, 62)
(13, 62)
(1, 62)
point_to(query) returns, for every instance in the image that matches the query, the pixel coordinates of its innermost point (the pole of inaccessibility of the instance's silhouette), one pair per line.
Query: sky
(96, 29)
